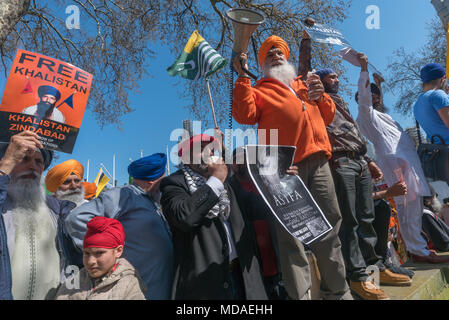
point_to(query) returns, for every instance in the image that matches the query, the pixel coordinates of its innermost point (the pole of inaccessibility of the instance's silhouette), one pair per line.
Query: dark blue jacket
(67, 251)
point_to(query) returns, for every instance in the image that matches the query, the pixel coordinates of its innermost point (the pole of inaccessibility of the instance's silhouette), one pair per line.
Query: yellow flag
(447, 52)
(103, 181)
(97, 179)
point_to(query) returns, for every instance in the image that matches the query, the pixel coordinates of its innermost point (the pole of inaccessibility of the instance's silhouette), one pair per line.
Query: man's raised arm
(365, 99)
(244, 109)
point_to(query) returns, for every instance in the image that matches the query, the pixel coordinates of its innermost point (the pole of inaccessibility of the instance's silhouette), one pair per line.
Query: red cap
(186, 145)
(104, 232)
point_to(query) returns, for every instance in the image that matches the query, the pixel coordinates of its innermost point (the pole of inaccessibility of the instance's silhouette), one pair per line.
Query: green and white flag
(197, 60)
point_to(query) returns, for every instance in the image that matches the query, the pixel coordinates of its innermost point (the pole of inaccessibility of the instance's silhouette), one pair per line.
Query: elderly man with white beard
(299, 111)
(34, 248)
(65, 181)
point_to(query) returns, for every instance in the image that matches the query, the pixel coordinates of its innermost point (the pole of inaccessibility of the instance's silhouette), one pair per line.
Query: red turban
(270, 42)
(104, 232)
(186, 145)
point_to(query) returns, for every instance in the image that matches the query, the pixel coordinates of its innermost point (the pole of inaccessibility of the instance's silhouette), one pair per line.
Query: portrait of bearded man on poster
(46, 109)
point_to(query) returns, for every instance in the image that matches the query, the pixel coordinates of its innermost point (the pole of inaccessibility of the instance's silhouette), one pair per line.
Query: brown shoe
(431, 258)
(367, 290)
(389, 278)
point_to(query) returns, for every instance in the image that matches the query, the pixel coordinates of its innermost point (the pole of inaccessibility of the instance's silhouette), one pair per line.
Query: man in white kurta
(398, 160)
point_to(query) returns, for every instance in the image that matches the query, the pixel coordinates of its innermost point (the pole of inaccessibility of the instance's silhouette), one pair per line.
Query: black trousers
(381, 223)
(237, 283)
(353, 186)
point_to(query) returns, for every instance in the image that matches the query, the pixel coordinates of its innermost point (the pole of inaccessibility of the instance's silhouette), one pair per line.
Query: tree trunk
(10, 13)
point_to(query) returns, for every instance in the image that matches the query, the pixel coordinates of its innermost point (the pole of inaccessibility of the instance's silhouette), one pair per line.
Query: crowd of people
(205, 232)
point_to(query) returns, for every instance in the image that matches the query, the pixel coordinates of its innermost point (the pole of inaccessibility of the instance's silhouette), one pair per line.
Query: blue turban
(324, 72)
(43, 90)
(148, 168)
(431, 72)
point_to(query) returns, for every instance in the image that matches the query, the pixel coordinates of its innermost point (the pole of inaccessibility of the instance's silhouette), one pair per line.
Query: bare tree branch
(405, 67)
(116, 35)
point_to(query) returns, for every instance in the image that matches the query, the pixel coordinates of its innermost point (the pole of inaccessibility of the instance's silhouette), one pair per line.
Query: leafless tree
(404, 67)
(112, 44)
(282, 18)
(115, 37)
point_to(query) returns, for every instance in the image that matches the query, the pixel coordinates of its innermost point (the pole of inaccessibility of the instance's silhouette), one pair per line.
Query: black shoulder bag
(434, 158)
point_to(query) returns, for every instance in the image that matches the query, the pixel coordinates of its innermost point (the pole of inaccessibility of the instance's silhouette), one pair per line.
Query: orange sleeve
(244, 109)
(327, 109)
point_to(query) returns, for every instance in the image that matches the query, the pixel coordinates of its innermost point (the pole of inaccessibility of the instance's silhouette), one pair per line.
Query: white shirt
(388, 137)
(218, 187)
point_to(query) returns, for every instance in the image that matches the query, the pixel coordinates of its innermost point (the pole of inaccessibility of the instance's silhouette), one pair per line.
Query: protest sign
(46, 96)
(286, 195)
(350, 55)
(325, 34)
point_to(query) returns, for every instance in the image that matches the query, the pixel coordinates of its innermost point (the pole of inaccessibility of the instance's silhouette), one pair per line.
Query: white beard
(76, 196)
(285, 73)
(34, 258)
(26, 193)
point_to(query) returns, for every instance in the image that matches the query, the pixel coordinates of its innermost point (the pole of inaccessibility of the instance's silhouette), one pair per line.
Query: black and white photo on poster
(286, 195)
(326, 34)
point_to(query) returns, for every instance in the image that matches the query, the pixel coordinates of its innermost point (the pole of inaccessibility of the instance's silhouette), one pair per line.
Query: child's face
(99, 261)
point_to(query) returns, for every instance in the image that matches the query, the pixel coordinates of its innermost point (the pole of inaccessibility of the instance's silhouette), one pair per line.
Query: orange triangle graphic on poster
(28, 88)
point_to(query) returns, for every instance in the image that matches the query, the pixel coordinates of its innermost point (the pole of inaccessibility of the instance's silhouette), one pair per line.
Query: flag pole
(106, 170)
(113, 170)
(87, 176)
(447, 51)
(168, 161)
(211, 103)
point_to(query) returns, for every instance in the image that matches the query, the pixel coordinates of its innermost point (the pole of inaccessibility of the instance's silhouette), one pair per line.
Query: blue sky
(159, 110)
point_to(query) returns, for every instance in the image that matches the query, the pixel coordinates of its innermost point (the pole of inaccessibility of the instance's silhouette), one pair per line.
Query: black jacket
(201, 246)
(435, 230)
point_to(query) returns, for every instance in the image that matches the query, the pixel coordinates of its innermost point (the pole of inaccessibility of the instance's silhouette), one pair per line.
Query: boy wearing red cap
(106, 276)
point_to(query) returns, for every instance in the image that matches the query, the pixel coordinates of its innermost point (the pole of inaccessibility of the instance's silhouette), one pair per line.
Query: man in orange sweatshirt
(299, 112)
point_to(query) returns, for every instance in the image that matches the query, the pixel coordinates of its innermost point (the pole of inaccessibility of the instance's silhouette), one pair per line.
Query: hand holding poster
(286, 195)
(46, 96)
(350, 55)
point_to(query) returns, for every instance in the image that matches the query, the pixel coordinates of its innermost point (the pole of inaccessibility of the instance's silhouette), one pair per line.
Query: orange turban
(90, 189)
(270, 42)
(58, 174)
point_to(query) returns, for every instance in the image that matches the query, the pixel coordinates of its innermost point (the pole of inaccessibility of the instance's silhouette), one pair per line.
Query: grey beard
(436, 205)
(26, 193)
(285, 73)
(380, 107)
(76, 196)
(202, 168)
(331, 89)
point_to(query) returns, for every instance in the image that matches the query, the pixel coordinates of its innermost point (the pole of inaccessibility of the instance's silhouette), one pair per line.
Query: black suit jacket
(201, 245)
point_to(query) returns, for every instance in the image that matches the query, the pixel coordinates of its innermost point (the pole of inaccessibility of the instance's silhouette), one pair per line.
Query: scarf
(194, 180)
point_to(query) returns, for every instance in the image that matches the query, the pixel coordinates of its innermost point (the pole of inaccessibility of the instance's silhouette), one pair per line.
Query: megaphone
(244, 23)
